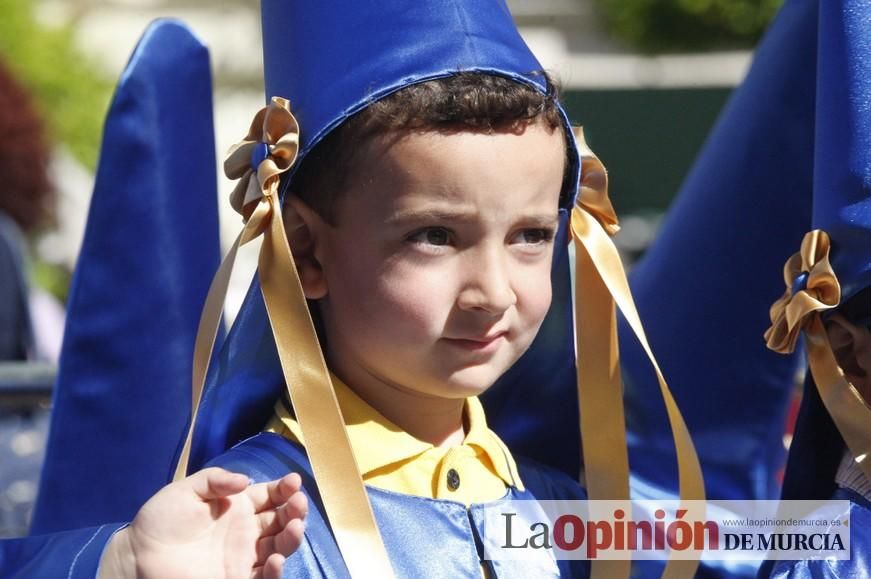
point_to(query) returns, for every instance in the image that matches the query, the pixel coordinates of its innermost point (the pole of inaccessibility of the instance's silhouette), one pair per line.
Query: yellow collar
(378, 443)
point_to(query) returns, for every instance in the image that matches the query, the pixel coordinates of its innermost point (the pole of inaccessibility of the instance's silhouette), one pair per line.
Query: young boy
(429, 256)
(435, 170)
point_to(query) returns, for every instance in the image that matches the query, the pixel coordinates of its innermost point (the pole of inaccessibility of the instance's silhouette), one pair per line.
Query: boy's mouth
(478, 344)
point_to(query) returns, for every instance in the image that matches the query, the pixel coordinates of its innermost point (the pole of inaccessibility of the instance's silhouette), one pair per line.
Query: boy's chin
(472, 381)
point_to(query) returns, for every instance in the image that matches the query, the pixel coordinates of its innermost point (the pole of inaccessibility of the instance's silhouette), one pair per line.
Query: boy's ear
(851, 345)
(304, 229)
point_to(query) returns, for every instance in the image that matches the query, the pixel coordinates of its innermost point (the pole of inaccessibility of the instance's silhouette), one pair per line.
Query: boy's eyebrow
(545, 220)
(430, 214)
(456, 214)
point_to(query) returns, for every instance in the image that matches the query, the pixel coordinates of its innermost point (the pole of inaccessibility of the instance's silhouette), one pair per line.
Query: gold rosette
(600, 288)
(593, 188)
(258, 161)
(270, 149)
(811, 289)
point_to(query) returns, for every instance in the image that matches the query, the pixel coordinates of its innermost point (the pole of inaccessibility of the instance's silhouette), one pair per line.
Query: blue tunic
(424, 537)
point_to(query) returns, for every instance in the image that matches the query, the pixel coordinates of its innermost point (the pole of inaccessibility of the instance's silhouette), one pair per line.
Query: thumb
(214, 483)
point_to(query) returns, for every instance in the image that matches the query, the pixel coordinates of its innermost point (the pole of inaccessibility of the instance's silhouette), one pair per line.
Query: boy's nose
(488, 287)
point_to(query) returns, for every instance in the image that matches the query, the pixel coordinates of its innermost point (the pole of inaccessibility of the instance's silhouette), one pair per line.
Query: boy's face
(436, 277)
(851, 344)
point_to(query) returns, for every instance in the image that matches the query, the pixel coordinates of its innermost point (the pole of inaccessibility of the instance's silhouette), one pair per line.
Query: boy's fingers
(269, 522)
(214, 483)
(272, 494)
(289, 539)
(296, 507)
(285, 542)
(272, 521)
(284, 488)
(271, 569)
(265, 548)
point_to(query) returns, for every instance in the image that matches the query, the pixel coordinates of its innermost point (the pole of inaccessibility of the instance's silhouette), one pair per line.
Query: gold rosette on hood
(593, 188)
(269, 149)
(811, 286)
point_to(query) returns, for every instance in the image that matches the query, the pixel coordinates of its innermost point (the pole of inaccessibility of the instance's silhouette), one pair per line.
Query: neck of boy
(438, 421)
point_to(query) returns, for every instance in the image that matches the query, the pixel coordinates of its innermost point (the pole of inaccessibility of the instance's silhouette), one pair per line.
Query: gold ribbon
(811, 289)
(601, 285)
(273, 143)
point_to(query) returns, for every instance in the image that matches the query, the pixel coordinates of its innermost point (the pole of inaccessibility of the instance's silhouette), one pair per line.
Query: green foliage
(71, 94)
(51, 277)
(669, 25)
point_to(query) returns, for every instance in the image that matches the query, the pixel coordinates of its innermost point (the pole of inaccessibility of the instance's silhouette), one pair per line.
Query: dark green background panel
(647, 139)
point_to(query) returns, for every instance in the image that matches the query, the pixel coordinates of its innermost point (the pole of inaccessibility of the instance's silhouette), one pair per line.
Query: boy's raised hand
(211, 525)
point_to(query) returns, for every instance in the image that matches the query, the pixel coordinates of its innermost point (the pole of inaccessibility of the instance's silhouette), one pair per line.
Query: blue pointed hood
(150, 249)
(842, 176)
(841, 208)
(333, 58)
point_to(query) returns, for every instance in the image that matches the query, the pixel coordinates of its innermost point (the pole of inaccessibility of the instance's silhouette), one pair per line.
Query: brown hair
(26, 194)
(464, 101)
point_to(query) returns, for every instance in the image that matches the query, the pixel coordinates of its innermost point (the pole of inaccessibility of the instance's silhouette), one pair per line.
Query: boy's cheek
(397, 310)
(537, 297)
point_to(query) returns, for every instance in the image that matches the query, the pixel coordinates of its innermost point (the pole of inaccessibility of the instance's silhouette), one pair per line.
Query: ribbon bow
(811, 286)
(269, 149)
(593, 191)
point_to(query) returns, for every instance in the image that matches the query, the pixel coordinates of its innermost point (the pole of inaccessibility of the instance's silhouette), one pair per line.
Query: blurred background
(645, 77)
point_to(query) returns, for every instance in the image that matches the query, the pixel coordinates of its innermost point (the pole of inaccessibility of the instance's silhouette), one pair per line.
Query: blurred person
(827, 299)
(26, 198)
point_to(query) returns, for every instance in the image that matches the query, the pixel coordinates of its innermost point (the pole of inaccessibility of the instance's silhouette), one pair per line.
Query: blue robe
(424, 537)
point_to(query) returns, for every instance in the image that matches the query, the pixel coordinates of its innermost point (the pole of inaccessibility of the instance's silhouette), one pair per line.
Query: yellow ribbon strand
(314, 401)
(602, 280)
(600, 388)
(306, 376)
(203, 345)
(800, 309)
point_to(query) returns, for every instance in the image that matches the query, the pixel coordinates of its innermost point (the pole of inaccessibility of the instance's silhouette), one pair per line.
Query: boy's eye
(534, 236)
(432, 236)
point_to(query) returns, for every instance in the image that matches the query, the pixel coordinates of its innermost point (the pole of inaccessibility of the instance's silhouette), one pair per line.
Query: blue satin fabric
(859, 564)
(71, 554)
(424, 537)
(705, 286)
(842, 180)
(331, 59)
(122, 399)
